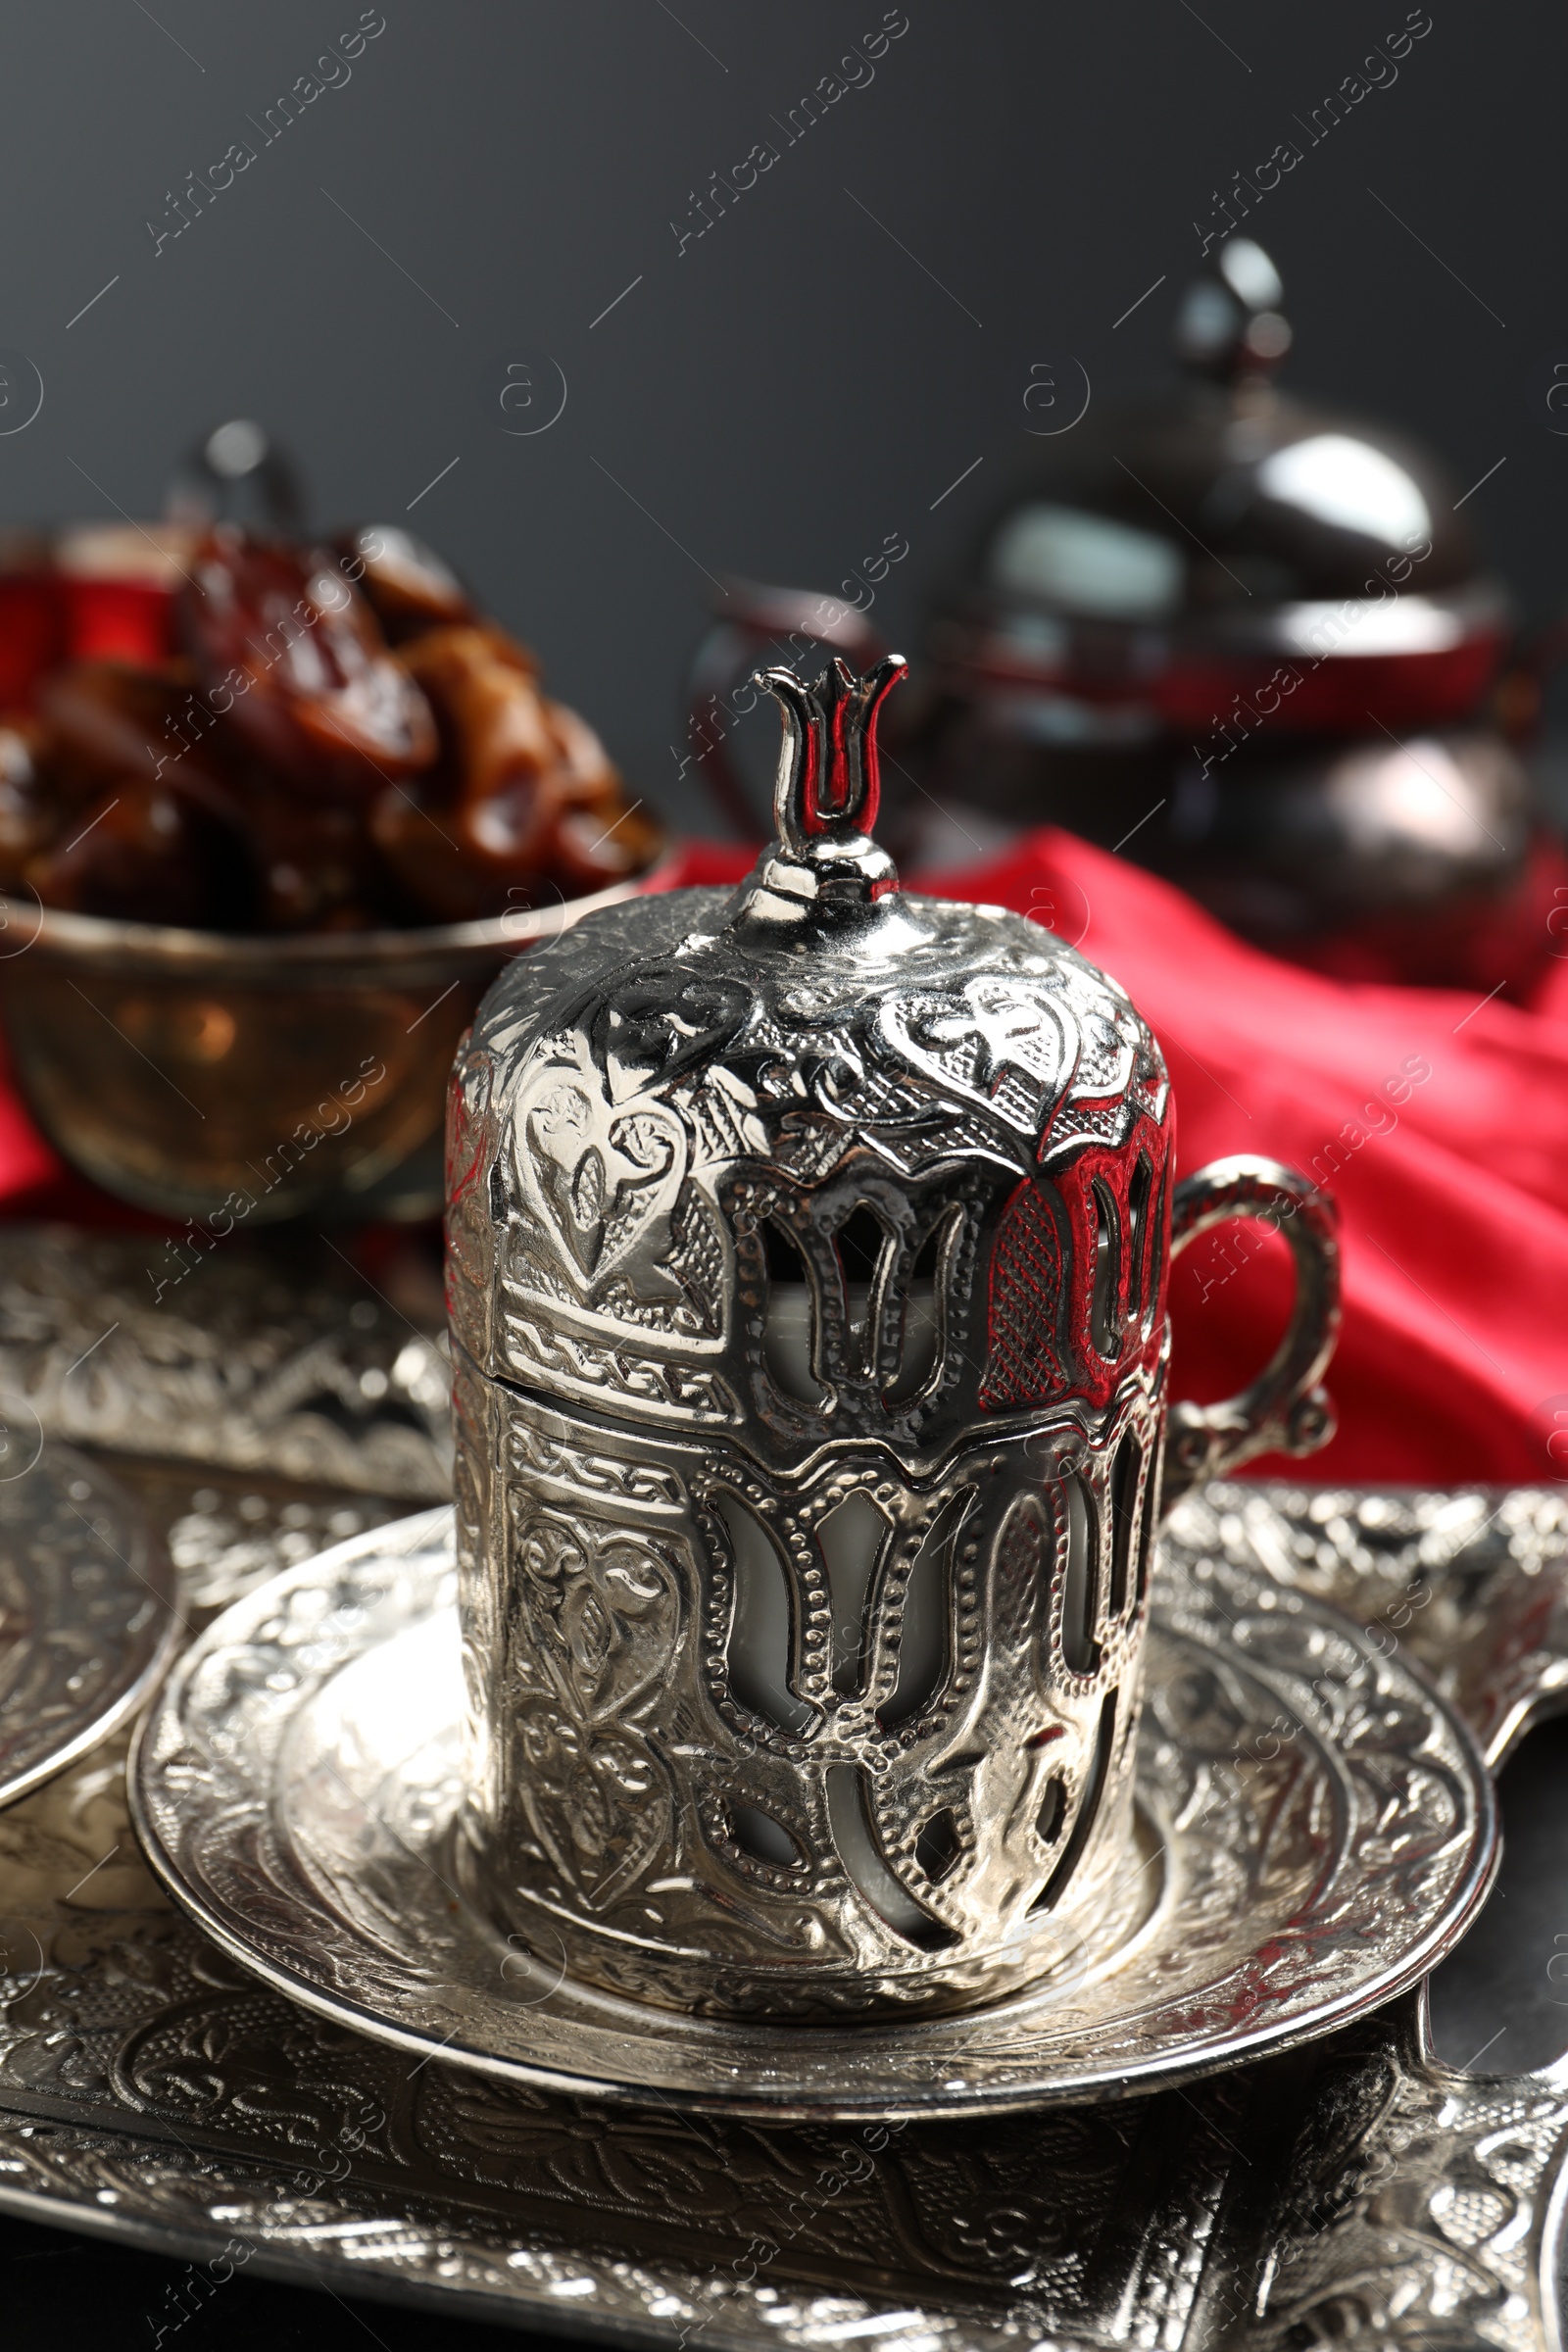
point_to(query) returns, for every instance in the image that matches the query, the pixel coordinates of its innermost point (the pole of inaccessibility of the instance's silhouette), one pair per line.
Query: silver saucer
(86, 1612)
(1316, 1828)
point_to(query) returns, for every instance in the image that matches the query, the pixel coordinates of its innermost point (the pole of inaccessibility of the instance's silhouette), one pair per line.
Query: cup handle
(1284, 1410)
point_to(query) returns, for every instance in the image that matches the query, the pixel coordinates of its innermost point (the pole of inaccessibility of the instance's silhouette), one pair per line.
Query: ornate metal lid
(1162, 543)
(815, 1158)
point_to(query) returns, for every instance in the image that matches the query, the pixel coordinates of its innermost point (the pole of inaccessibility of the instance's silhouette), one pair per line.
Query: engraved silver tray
(153, 2091)
(86, 1606)
(1315, 1830)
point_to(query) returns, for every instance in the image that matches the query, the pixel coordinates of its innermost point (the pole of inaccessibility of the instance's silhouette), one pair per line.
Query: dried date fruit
(169, 851)
(294, 658)
(483, 827)
(29, 816)
(599, 838)
(595, 847)
(409, 587)
(104, 721)
(294, 774)
(318, 868)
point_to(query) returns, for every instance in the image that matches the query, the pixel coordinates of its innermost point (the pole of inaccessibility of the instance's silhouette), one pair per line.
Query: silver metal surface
(152, 2089)
(1419, 2208)
(227, 1534)
(1470, 1583)
(275, 1360)
(86, 1618)
(1174, 637)
(298, 1782)
(808, 1252)
(1284, 1409)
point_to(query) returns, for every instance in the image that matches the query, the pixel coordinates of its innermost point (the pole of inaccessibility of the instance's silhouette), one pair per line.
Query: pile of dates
(344, 744)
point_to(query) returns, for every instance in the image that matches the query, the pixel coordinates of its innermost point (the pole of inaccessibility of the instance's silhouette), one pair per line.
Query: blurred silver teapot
(1243, 637)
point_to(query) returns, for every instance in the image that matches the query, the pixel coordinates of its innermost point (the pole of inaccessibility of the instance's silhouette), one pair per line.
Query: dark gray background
(794, 386)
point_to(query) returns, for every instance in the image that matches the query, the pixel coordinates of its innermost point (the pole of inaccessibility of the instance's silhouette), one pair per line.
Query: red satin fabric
(1452, 1184)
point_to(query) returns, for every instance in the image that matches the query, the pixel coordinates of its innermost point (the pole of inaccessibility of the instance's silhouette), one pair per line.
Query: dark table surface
(57, 2289)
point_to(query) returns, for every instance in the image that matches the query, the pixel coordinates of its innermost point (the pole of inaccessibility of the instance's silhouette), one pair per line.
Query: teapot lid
(1221, 515)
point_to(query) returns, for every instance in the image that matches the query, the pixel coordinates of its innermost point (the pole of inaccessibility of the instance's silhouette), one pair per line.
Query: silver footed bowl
(240, 1077)
(1314, 1830)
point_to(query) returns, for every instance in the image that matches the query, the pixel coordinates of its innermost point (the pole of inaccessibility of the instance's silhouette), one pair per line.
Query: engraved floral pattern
(596, 1616)
(612, 1125)
(1380, 2197)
